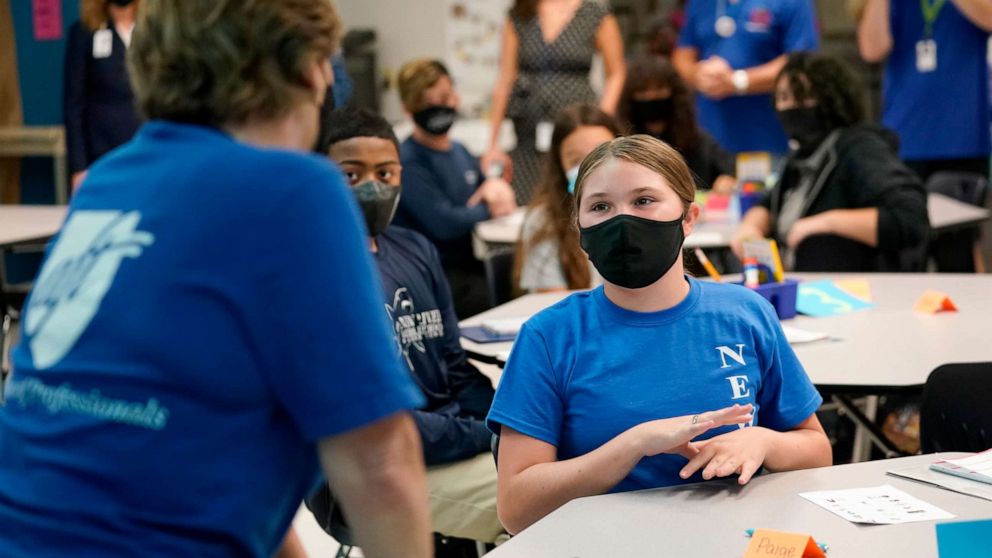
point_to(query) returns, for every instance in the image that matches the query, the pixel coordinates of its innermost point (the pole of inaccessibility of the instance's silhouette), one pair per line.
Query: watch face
(725, 26)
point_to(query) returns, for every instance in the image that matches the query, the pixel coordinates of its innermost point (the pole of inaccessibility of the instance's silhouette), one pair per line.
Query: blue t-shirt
(436, 187)
(766, 29)
(942, 114)
(419, 305)
(585, 370)
(208, 312)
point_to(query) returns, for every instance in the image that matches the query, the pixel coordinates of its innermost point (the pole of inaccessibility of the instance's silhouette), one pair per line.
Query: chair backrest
(956, 414)
(967, 187)
(329, 515)
(499, 275)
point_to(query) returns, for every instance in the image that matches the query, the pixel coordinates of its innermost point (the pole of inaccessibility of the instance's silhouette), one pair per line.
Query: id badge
(103, 43)
(926, 55)
(542, 136)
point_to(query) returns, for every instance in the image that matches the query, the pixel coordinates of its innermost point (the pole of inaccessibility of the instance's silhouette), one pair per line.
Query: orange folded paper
(766, 543)
(932, 302)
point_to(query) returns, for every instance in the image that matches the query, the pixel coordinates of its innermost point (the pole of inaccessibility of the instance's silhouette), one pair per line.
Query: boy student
(444, 191)
(461, 475)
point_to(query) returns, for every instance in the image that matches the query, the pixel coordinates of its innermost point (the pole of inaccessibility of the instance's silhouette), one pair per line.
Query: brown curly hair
(553, 198)
(652, 72)
(222, 62)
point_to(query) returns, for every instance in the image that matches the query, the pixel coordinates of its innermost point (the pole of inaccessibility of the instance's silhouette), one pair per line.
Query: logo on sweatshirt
(76, 277)
(413, 328)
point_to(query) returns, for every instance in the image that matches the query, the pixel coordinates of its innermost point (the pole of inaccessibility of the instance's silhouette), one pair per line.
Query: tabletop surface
(709, 519)
(881, 348)
(25, 223)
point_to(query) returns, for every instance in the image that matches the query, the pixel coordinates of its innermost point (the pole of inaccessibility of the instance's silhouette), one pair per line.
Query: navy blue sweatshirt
(418, 301)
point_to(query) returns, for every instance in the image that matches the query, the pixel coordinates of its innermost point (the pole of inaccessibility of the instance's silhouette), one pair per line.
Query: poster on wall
(473, 41)
(47, 19)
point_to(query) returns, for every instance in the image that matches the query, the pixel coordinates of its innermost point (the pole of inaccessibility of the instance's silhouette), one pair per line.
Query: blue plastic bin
(782, 296)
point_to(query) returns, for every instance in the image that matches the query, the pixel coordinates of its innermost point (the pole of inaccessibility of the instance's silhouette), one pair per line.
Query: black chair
(956, 414)
(499, 275)
(952, 251)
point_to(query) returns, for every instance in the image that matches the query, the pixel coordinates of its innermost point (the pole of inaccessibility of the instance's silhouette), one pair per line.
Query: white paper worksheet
(876, 505)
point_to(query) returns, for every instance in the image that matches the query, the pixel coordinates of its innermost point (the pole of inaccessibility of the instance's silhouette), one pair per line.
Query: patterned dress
(550, 77)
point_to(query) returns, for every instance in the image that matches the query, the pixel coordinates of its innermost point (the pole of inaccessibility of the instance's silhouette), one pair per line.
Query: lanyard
(930, 12)
(721, 8)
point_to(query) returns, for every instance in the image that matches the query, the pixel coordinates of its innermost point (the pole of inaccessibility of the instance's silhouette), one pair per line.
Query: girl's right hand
(674, 435)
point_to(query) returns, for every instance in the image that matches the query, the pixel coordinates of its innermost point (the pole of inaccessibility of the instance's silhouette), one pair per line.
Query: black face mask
(122, 3)
(803, 125)
(436, 120)
(633, 252)
(378, 202)
(655, 110)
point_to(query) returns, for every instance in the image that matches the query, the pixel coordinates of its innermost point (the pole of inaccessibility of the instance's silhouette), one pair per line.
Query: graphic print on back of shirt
(76, 278)
(412, 328)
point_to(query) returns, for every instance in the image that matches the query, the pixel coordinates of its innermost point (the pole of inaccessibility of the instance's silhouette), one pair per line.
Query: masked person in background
(845, 202)
(461, 475)
(656, 102)
(444, 191)
(621, 388)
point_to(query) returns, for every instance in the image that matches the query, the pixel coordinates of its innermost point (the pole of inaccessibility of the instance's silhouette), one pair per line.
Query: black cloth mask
(436, 120)
(633, 252)
(804, 126)
(655, 110)
(378, 202)
(122, 3)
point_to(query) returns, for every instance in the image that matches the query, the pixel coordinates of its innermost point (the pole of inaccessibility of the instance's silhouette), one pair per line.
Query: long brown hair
(93, 13)
(524, 9)
(554, 200)
(653, 72)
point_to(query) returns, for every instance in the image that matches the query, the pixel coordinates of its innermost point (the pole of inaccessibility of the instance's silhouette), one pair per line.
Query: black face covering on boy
(121, 3)
(378, 202)
(633, 252)
(803, 125)
(654, 110)
(436, 120)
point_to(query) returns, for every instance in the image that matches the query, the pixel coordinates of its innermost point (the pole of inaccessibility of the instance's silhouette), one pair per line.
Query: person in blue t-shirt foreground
(461, 475)
(207, 328)
(444, 191)
(609, 389)
(730, 52)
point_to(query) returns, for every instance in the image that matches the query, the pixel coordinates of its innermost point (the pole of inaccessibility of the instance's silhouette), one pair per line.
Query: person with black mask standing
(655, 379)
(844, 202)
(99, 108)
(656, 102)
(444, 190)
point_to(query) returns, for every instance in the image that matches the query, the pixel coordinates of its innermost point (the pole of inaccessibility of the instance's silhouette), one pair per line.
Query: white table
(29, 223)
(709, 519)
(946, 214)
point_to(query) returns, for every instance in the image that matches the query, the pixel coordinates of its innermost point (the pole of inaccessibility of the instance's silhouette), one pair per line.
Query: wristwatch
(740, 80)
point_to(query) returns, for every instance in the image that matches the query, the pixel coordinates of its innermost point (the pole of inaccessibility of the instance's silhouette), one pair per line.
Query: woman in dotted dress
(546, 55)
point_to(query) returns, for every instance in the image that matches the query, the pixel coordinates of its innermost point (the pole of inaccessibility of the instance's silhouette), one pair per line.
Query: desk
(709, 519)
(29, 223)
(946, 214)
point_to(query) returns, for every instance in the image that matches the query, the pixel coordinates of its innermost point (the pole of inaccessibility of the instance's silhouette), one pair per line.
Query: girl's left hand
(741, 452)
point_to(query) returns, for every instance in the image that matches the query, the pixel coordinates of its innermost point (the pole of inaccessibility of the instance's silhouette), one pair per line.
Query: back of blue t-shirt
(943, 114)
(765, 30)
(207, 313)
(585, 370)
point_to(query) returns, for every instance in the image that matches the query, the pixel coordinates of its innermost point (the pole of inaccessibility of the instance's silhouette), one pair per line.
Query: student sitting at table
(656, 102)
(845, 202)
(548, 256)
(607, 390)
(444, 192)
(461, 476)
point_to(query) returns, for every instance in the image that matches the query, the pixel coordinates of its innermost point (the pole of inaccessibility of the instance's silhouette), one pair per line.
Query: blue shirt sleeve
(787, 396)
(801, 33)
(529, 397)
(434, 213)
(687, 36)
(324, 341)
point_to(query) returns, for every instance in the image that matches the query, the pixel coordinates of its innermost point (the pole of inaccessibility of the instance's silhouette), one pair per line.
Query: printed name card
(932, 302)
(766, 543)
